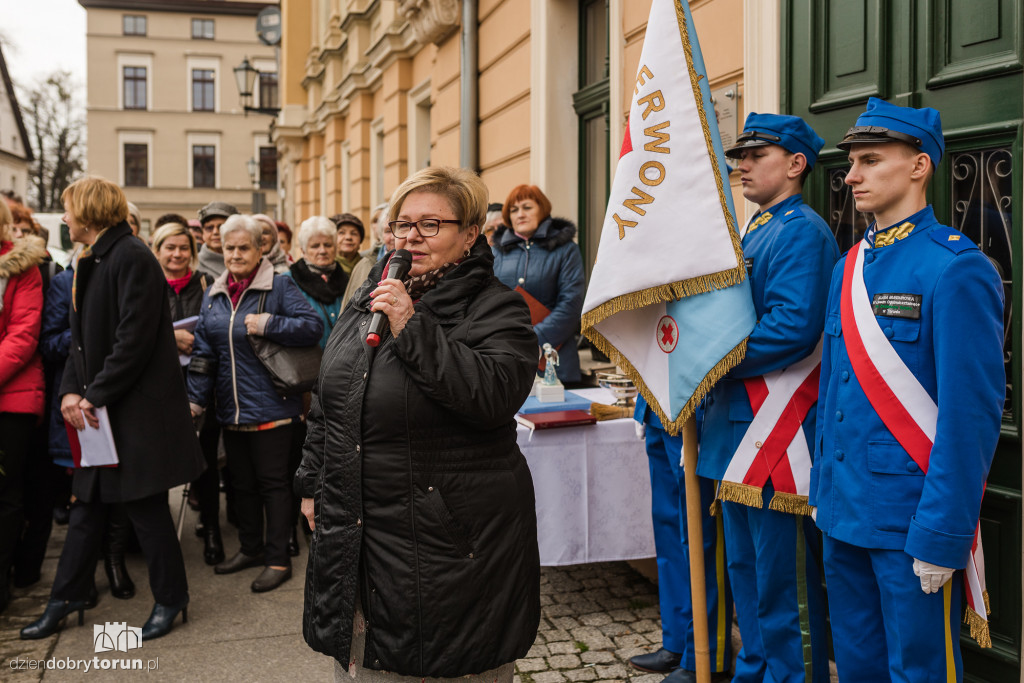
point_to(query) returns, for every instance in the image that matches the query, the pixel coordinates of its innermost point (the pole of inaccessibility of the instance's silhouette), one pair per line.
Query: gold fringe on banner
(670, 425)
(988, 607)
(790, 503)
(744, 494)
(979, 627)
(672, 291)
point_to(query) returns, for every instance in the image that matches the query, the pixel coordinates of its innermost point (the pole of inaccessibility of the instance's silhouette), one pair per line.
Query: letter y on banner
(668, 299)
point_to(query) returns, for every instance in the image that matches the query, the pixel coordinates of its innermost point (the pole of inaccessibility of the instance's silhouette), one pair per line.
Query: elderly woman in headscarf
(270, 245)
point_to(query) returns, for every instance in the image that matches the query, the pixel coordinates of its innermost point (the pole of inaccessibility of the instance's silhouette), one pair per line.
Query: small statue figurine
(551, 362)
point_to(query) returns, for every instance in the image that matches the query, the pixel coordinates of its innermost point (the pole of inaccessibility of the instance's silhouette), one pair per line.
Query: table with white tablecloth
(593, 491)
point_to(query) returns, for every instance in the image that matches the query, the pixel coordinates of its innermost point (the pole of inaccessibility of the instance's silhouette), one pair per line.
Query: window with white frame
(202, 29)
(133, 25)
(135, 158)
(419, 127)
(204, 166)
(203, 90)
(135, 82)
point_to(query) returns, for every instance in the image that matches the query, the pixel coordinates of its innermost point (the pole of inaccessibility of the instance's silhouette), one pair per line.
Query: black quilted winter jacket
(424, 504)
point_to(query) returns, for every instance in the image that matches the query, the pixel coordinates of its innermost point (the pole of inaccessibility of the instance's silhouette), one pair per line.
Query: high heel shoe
(161, 619)
(49, 623)
(213, 546)
(121, 585)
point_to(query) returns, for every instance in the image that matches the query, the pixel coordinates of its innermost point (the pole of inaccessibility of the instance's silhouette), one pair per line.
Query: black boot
(161, 619)
(213, 547)
(115, 542)
(49, 623)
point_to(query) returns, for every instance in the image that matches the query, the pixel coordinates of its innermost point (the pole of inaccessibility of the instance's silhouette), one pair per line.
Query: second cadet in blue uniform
(894, 531)
(668, 511)
(770, 542)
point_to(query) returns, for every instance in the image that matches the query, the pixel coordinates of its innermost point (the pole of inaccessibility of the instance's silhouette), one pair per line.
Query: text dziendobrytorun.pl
(86, 665)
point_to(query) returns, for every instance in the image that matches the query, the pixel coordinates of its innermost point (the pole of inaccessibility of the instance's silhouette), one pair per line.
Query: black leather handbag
(293, 369)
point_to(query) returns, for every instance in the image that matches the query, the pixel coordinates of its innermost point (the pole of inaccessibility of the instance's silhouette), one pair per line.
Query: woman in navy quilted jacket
(257, 421)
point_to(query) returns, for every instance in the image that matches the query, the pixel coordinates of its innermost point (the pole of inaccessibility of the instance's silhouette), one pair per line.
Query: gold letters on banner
(652, 173)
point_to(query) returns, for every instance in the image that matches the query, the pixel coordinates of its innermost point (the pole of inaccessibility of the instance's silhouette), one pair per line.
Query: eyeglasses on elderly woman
(426, 227)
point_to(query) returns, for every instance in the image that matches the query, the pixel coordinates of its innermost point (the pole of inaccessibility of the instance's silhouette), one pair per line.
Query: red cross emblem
(667, 334)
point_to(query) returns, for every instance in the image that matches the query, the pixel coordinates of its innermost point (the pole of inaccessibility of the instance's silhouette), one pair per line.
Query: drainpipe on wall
(469, 155)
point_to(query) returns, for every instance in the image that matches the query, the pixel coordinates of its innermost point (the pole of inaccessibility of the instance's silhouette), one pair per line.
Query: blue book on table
(572, 402)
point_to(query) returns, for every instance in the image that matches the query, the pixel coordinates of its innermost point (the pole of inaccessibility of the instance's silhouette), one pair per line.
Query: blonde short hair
(95, 202)
(316, 225)
(173, 230)
(241, 221)
(464, 190)
(6, 221)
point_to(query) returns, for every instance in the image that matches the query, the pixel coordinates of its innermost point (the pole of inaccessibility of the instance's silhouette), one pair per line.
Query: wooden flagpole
(695, 543)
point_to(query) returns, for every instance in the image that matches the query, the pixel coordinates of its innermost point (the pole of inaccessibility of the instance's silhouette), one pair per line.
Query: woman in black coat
(424, 558)
(123, 358)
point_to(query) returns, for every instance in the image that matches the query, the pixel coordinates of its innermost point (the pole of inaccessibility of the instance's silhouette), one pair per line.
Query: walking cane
(181, 511)
(695, 542)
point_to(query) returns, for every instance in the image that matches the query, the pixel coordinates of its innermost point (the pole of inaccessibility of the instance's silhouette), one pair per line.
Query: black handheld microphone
(398, 268)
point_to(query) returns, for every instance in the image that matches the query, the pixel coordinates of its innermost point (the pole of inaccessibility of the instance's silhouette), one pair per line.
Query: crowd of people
(399, 457)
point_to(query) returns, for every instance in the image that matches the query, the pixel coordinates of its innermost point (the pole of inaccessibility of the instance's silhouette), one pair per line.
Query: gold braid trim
(790, 503)
(672, 426)
(979, 627)
(684, 36)
(672, 291)
(744, 494)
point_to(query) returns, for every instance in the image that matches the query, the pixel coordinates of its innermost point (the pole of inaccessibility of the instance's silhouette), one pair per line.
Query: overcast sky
(43, 36)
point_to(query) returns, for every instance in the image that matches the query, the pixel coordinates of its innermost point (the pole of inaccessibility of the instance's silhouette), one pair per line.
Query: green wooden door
(963, 57)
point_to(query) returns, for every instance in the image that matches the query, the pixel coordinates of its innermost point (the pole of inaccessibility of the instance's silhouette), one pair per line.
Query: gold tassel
(605, 412)
(988, 607)
(672, 291)
(715, 508)
(979, 627)
(744, 494)
(731, 360)
(790, 503)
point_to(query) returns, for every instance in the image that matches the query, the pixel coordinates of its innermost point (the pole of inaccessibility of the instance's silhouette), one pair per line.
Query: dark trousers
(207, 486)
(158, 537)
(259, 473)
(15, 435)
(43, 482)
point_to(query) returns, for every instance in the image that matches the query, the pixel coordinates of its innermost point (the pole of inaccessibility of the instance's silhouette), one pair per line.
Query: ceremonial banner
(668, 299)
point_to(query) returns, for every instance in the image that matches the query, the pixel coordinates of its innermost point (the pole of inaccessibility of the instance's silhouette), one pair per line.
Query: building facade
(15, 149)
(373, 90)
(164, 117)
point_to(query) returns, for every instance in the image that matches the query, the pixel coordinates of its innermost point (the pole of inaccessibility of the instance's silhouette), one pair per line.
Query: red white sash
(774, 446)
(904, 407)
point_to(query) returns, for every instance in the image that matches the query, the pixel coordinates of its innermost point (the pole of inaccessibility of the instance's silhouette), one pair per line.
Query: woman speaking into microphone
(424, 557)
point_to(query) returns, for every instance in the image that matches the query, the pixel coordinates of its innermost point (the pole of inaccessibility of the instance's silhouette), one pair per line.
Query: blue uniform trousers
(918, 637)
(774, 575)
(668, 509)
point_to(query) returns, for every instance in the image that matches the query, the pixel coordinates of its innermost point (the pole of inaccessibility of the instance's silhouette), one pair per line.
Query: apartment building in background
(164, 117)
(15, 150)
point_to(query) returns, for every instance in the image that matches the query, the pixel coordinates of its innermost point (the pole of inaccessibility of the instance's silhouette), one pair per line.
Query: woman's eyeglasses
(427, 227)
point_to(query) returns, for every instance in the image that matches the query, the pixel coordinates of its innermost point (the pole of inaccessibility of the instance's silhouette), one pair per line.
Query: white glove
(933, 577)
(814, 514)
(641, 430)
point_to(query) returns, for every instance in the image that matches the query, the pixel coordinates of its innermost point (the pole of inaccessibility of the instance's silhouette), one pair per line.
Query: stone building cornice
(432, 21)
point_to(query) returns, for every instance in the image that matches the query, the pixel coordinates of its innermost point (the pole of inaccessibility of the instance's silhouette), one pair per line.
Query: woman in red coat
(22, 392)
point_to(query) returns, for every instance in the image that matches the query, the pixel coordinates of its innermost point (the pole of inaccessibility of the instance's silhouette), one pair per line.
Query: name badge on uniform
(749, 263)
(897, 305)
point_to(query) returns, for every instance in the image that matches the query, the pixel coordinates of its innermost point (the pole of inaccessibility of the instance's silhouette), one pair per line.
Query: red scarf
(179, 284)
(236, 287)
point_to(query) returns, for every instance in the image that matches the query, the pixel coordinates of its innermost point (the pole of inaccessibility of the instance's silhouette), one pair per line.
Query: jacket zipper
(231, 351)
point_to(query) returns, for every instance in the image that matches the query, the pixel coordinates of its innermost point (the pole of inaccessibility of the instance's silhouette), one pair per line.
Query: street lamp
(245, 79)
(259, 200)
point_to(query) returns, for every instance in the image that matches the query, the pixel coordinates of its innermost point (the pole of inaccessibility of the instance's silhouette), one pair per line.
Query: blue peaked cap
(789, 132)
(885, 122)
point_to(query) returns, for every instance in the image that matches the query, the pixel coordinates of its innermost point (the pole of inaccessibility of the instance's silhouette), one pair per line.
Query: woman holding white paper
(123, 359)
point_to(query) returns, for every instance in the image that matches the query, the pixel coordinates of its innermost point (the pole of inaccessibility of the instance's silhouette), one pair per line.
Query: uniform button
(839, 455)
(758, 444)
(888, 332)
(912, 466)
(846, 376)
(430, 488)
(839, 416)
(522, 280)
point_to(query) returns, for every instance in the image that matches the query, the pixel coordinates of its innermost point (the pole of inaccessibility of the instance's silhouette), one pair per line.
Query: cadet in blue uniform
(771, 543)
(668, 510)
(895, 531)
